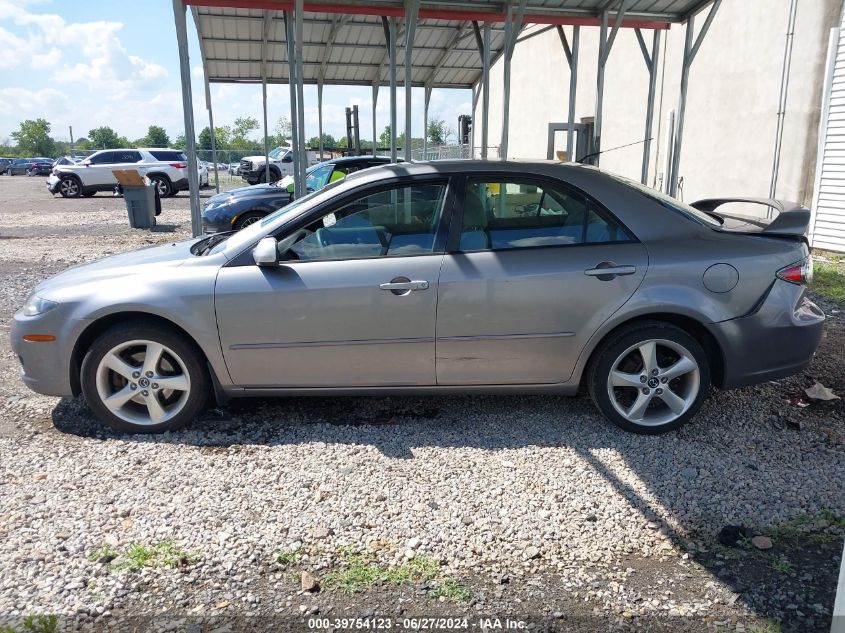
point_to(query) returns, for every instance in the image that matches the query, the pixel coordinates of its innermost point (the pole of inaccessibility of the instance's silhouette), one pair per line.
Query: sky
(92, 63)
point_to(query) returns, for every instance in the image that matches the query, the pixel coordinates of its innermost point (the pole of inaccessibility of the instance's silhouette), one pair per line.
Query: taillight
(178, 165)
(798, 273)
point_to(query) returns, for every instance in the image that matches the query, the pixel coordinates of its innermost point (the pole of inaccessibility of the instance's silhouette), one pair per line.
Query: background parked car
(4, 164)
(68, 160)
(167, 169)
(202, 169)
(234, 169)
(40, 167)
(240, 207)
(19, 166)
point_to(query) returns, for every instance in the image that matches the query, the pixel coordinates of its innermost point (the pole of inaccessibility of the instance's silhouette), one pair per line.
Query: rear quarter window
(165, 155)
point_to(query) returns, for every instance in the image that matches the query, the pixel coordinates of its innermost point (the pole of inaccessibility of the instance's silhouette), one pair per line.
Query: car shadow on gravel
(708, 473)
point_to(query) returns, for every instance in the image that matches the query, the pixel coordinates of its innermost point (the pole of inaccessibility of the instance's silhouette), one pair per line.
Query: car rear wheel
(162, 185)
(649, 378)
(248, 218)
(139, 378)
(69, 187)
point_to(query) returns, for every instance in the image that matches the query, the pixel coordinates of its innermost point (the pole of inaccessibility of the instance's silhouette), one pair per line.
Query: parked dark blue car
(235, 209)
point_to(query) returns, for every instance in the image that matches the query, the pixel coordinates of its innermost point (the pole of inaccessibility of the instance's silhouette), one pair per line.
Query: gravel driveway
(532, 507)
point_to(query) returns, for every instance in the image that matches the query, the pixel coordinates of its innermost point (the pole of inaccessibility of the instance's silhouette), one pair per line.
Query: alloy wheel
(69, 188)
(143, 382)
(654, 382)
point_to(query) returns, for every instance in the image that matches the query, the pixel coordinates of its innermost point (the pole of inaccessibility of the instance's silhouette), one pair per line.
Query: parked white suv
(253, 170)
(167, 169)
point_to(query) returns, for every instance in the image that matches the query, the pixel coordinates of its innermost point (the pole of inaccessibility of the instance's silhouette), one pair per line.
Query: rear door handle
(606, 271)
(403, 285)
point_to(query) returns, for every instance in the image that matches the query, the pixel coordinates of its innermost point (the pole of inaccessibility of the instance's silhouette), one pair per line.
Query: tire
(676, 375)
(248, 218)
(162, 184)
(116, 361)
(30, 173)
(70, 187)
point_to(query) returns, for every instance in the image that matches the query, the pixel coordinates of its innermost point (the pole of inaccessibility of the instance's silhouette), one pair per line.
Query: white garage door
(828, 225)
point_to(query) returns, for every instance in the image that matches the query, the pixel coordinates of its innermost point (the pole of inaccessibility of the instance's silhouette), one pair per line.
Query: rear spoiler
(792, 218)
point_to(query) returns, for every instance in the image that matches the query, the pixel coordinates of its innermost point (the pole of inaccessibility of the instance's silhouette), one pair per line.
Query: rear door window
(510, 214)
(168, 155)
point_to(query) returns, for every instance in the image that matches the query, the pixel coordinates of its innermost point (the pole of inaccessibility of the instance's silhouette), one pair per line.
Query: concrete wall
(732, 104)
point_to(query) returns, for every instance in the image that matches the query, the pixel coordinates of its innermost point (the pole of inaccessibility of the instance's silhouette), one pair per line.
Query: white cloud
(46, 103)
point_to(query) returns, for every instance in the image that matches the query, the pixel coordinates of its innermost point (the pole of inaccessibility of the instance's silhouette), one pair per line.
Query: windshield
(255, 230)
(277, 152)
(317, 176)
(669, 202)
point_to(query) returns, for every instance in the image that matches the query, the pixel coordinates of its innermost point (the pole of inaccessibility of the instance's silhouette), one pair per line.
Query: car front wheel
(140, 378)
(649, 377)
(69, 187)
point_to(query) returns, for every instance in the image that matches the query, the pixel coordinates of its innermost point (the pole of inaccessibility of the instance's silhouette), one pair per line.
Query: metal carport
(446, 44)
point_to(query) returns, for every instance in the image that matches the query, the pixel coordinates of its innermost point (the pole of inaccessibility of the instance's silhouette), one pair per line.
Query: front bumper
(53, 183)
(45, 367)
(777, 340)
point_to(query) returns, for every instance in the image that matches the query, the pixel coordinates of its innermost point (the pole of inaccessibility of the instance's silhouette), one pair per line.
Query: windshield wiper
(205, 246)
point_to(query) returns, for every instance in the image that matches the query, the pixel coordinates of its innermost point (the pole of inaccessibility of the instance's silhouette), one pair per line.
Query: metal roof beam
(330, 41)
(450, 47)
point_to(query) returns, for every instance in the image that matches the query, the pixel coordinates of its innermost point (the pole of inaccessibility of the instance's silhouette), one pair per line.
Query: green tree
(82, 143)
(328, 141)
(437, 131)
(33, 138)
(221, 135)
(157, 137)
(284, 132)
(384, 138)
(179, 142)
(241, 130)
(103, 138)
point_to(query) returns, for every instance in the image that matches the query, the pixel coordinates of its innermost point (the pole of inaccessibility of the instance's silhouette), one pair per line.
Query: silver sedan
(436, 278)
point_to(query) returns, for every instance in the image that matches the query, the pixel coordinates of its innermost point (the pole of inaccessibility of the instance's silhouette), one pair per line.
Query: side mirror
(266, 252)
(287, 159)
(86, 162)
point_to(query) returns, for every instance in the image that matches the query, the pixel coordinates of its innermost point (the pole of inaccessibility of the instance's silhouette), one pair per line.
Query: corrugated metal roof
(344, 42)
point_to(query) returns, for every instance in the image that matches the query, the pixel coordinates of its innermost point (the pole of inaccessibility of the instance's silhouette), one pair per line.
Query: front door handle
(403, 285)
(606, 271)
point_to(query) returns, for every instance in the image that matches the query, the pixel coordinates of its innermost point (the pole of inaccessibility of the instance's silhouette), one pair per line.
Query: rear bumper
(777, 340)
(180, 185)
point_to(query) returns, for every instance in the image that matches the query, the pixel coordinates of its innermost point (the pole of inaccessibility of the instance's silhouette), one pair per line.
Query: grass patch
(137, 557)
(286, 557)
(103, 552)
(34, 624)
(829, 280)
(797, 525)
(454, 591)
(769, 627)
(783, 565)
(361, 570)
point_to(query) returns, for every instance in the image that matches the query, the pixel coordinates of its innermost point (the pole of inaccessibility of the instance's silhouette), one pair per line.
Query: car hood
(152, 260)
(244, 192)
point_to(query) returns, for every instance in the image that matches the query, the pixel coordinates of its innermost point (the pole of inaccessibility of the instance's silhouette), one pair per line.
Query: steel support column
(572, 60)
(651, 61)
(294, 117)
(411, 9)
(320, 116)
(375, 129)
(180, 20)
(299, 152)
(476, 92)
(426, 101)
(605, 45)
(265, 37)
(211, 129)
(512, 27)
(690, 51)
(485, 82)
(391, 52)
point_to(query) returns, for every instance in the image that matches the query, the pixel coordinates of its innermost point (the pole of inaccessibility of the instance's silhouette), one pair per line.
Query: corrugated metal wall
(828, 226)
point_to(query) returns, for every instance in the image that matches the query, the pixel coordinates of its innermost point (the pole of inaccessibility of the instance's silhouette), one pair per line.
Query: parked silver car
(448, 277)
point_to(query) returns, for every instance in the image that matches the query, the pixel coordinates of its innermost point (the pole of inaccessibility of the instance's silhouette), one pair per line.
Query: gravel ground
(529, 506)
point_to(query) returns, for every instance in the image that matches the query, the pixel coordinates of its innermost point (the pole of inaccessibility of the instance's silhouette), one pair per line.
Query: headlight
(212, 205)
(36, 305)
